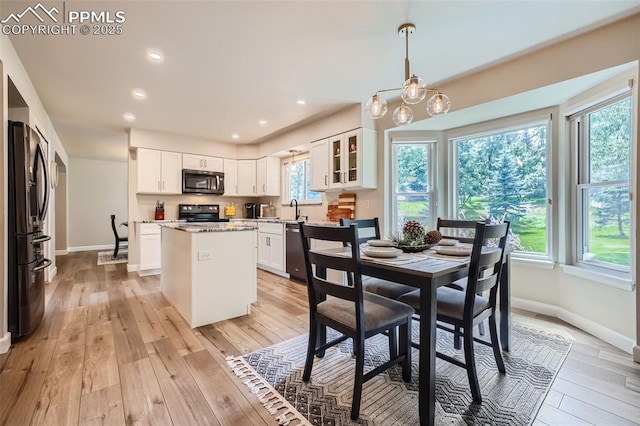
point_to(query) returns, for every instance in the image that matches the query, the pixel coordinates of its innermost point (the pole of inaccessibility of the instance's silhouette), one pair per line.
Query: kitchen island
(209, 270)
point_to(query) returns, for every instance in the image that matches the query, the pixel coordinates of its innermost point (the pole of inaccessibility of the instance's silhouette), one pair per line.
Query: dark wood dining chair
(369, 229)
(350, 310)
(460, 230)
(118, 238)
(465, 309)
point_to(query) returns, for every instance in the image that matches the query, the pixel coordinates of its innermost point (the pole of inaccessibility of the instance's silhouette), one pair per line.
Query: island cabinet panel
(209, 276)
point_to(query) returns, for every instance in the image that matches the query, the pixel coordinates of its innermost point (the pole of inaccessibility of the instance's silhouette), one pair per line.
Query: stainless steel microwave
(202, 182)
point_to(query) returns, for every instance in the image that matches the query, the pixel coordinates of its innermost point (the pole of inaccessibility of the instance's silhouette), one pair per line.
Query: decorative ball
(432, 237)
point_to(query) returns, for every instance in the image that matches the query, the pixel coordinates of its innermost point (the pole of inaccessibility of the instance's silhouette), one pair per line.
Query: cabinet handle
(236, 189)
(205, 163)
(263, 188)
(163, 185)
(325, 180)
(254, 189)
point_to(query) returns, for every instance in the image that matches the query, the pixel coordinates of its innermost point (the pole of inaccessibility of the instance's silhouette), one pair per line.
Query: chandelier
(414, 90)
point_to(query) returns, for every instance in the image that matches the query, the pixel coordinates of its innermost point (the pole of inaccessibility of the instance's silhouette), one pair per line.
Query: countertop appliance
(295, 257)
(200, 213)
(250, 211)
(202, 182)
(28, 199)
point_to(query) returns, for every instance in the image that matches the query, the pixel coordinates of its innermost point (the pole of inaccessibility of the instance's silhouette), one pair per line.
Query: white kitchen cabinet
(159, 172)
(247, 178)
(353, 160)
(319, 166)
(149, 249)
(268, 176)
(230, 177)
(333, 275)
(271, 251)
(200, 162)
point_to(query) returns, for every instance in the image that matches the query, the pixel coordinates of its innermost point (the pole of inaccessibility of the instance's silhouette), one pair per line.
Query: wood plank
(99, 310)
(148, 324)
(184, 400)
(592, 414)
(597, 399)
(226, 400)
(183, 338)
(19, 395)
(102, 408)
(554, 416)
(554, 398)
(100, 363)
(590, 380)
(73, 335)
(60, 396)
(129, 344)
(142, 399)
(79, 296)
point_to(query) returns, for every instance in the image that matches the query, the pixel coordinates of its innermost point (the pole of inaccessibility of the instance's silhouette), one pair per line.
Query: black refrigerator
(28, 197)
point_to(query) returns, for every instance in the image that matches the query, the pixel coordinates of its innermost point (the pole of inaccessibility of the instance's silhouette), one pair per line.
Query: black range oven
(200, 213)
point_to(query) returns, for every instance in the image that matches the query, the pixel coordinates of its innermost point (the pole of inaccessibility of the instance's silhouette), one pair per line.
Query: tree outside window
(503, 175)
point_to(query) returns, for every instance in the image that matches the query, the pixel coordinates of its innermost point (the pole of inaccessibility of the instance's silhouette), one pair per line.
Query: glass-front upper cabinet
(336, 161)
(352, 160)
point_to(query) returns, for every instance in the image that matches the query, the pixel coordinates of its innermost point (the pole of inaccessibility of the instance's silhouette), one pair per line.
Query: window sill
(599, 277)
(533, 263)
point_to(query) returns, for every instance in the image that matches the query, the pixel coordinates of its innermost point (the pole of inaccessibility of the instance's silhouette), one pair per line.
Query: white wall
(96, 190)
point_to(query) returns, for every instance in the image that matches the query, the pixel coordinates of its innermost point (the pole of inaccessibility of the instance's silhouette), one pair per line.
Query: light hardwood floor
(112, 351)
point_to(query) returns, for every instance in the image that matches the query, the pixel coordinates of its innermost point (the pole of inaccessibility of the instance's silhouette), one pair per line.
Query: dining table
(428, 271)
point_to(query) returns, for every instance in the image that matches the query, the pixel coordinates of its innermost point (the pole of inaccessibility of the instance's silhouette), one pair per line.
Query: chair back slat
(317, 263)
(455, 229)
(368, 229)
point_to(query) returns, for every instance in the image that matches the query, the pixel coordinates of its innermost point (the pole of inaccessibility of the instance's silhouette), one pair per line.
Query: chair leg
(456, 338)
(322, 336)
(495, 344)
(405, 349)
(115, 251)
(359, 380)
(311, 350)
(481, 328)
(393, 343)
(470, 361)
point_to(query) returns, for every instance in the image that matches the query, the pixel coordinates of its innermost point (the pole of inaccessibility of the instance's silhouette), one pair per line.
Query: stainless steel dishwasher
(295, 258)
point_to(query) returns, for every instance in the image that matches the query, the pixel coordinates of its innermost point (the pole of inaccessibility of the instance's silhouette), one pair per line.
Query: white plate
(447, 242)
(454, 250)
(382, 252)
(381, 243)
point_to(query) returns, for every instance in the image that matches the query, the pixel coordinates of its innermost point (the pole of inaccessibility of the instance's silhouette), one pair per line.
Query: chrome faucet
(297, 211)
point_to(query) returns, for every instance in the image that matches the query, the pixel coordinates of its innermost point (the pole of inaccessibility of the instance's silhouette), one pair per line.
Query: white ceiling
(230, 63)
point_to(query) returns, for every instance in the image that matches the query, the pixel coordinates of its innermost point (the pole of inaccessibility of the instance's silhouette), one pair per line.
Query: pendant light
(413, 91)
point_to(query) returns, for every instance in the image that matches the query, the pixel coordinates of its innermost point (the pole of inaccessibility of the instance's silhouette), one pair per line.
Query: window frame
(286, 181)
(431, 142)
(507, 125)
(580, 174)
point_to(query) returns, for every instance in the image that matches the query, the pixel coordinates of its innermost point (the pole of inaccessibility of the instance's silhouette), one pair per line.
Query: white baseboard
(5, 343)
(636, 353)
(62, 252)
(148, 272)
(612, 337)
(132, 267)
(273, 271)
(90, 248)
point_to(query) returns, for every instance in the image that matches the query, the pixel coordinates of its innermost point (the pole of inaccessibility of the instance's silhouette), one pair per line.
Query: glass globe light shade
(414, 90)
(376, 107)
(438, 104)
(402, 115)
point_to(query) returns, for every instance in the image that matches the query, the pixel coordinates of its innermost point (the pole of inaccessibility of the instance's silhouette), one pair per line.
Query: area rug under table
(511, 399)
(106, 257)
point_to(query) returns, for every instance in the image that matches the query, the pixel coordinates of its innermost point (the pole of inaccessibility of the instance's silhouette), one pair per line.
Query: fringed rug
(511, 399)
(105, 257)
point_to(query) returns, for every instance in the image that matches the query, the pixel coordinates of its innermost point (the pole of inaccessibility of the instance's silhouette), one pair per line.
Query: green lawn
(605, 244)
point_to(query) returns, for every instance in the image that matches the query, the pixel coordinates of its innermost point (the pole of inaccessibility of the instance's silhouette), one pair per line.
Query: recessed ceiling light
(235, 136)
(139, 94)
(263, 122)
(154, 56)
(129, 117)
(302, 102)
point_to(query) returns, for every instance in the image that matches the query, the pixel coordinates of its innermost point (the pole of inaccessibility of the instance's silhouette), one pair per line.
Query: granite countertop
(211, 227)
(288, 221)
(162, 221)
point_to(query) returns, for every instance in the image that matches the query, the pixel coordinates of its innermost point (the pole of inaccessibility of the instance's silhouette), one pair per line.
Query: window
(413, 190)
(503, 175)
(296, 182)
(602, 135)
